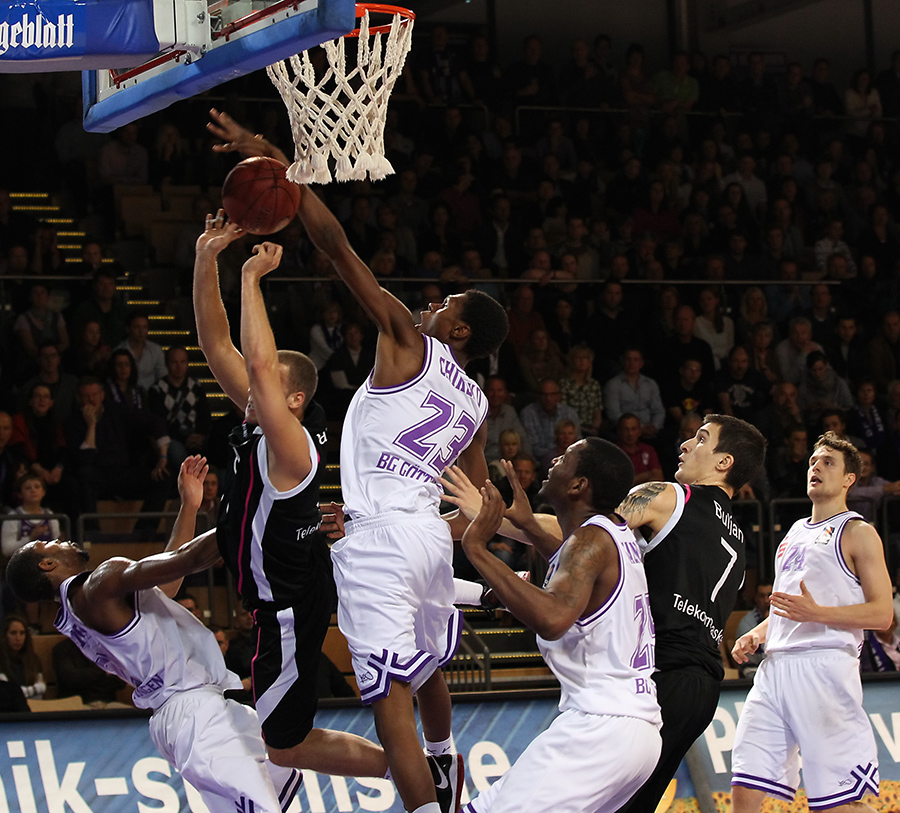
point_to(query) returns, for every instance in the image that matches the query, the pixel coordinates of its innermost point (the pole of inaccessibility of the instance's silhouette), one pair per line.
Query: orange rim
(379, 8)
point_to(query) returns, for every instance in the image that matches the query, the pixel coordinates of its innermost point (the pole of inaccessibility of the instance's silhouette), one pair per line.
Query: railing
(470, 669)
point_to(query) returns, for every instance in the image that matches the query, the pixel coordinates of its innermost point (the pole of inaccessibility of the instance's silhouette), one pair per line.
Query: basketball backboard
(215, 42)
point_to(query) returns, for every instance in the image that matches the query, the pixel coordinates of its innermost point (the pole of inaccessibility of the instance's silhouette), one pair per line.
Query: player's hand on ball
(266, 257)
(487, 523)
(190, 480)
(218, 234)
(745, 646)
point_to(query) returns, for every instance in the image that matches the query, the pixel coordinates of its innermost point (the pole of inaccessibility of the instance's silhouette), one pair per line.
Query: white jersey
(398, 440)
(812, 552)
(163, 650)
(605, 660)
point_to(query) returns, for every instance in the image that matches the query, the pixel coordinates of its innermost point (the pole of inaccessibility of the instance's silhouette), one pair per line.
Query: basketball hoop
(342, 115)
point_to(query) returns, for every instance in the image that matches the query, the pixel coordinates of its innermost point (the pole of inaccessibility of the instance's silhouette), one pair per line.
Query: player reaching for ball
(268, 524)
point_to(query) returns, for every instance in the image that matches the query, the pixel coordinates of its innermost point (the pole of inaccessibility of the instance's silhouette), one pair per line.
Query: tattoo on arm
(637, 502)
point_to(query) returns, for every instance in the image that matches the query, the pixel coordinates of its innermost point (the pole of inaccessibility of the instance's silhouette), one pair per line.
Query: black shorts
(687, 698)
(285, 669)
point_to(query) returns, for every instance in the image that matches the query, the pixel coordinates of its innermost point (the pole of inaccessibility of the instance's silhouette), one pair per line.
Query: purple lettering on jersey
(420, 441)
(795, 559)
(643, 653)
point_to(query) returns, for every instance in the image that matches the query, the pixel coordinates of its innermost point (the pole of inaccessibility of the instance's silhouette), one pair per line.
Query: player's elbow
(553, 628)
(884, 618)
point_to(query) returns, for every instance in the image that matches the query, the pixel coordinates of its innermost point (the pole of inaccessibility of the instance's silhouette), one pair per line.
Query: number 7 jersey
(397, 440)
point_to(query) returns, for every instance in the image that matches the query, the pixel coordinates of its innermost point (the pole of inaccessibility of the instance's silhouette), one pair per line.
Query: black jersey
(270, 540)
(694, 566)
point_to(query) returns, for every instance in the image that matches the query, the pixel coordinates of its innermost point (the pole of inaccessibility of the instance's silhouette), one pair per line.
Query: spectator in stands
(846, 350)
(821, 314)
(437, 69)
(19, 663)
(480, 76)
(531, 81)
(325, 336)
(822, 389)
(758, 614)
(348, 367)
(642, 455)
(826, 100)
(11, 466)
(792, 352)
(189, 603)
(835, 420)
(500, 240)
(630, 391)
(40, 324)
(510, 449)
(865, 418)
(754, 188)
(790, 463)
(564, 435)
(523, 319)
(757, 93)
(582, 82)
(78, 675)
(62, 385)
(501, 417)
(104, 307)
(683, 345)
(655, 215)
(762, 352)
(887, 83)
(862, 103)
(868, 490)
(879, 241)
(712, 326)
(122, 381)
(512, 553)
(883, 352)
(688, 393)
(582, 391)
(148, 355)
(832, 243)
(89, 354)
(540, 418)
(625, 191)
(753, 309)
(108, 443)
(740, 390)
(540, 360)
(123, 160)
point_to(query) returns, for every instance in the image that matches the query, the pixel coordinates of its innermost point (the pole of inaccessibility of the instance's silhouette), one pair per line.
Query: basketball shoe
(448, 773)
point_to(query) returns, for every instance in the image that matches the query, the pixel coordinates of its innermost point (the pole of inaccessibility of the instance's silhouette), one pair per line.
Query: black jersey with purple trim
(695, 567)
(270, 540)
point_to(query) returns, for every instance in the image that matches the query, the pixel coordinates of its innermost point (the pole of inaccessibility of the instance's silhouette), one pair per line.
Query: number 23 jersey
(397, 440)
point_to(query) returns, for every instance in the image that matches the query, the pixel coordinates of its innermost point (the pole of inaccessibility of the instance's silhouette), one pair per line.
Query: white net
(342, 115)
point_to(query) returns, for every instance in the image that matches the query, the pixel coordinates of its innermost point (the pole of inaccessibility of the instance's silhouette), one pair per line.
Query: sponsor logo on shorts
(366, 677)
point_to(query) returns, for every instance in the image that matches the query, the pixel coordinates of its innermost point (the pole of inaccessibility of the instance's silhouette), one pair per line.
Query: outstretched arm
(116, 578)
(551, 611)
(392, 317)
(649, 504)
(213, 332)
(239, 139)
(288, 450)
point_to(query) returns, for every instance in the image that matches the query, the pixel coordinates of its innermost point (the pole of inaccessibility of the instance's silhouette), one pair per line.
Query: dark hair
(609, 472)
(172, 348)
(852, 460)
(745, 444)
(814, 357)
(487, 321)
(111, 366)
(27, 657)
(136, 314)
(302, 374)
(25, 577)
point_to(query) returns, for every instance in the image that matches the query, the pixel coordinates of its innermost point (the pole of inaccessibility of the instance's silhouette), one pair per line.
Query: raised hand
(218, 234)
(487, 522)
(190, 480)
(461, 492)
(266, 257)
(235, 138)
(520, 512)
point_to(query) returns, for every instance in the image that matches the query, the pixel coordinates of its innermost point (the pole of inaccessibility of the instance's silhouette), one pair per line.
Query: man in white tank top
(417, 413)
(595, 632)
(121, 615)
(831, 583)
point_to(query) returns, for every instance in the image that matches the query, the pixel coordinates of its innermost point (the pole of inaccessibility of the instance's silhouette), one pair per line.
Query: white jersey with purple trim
(811, 552)
(397, 440)
(604, 662)
(163, 650)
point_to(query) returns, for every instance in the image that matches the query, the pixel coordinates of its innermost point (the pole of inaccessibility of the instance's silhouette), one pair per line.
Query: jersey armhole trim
(426, 362)
(262, 459)
(680, 500)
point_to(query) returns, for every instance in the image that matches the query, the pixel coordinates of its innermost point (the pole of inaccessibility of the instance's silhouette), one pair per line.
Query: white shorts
(394, 576)
(583, 763)
(807, 702)
(216, 745)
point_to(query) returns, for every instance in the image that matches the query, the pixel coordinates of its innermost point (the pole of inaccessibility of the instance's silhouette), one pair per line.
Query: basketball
(258, 197)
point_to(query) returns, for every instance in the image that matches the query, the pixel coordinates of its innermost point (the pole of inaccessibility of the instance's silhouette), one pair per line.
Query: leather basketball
(258, 197)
